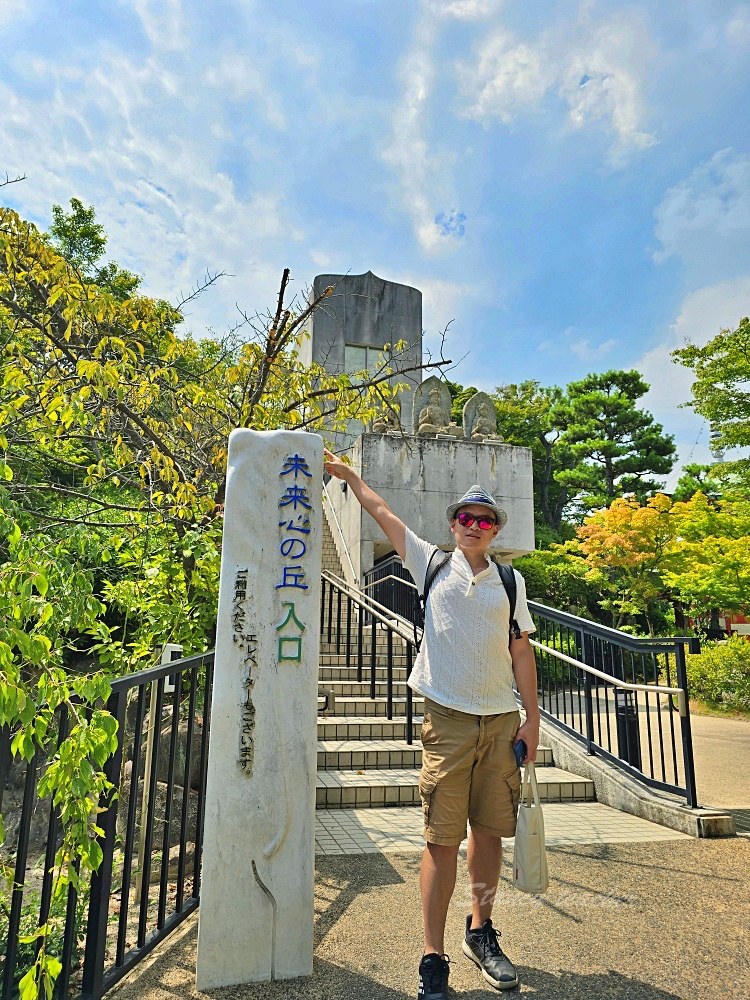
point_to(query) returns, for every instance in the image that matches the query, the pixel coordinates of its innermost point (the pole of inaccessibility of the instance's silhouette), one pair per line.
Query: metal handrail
(355, 576)
(635, 643)
(372, 607)
(615, 681)
(390, 576)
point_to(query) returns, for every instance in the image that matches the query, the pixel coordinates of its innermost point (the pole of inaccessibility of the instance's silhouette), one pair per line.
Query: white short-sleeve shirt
(465, 662)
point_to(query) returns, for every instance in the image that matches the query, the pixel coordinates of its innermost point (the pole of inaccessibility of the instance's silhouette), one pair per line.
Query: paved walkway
(634, 912)
(366, 831)
(665, 920)
(721, 748)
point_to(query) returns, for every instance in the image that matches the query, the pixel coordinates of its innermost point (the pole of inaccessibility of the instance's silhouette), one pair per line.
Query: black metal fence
(149, 878)
(352, 626)
(390, 584)
(641, 729)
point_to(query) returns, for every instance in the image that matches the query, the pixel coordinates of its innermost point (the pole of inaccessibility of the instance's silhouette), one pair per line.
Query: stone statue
(390, 421)
(480, 418)
(432, 407)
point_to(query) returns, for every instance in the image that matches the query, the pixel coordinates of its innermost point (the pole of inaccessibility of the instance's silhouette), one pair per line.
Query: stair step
(344, 673)
(374, 706)
(371, 727)
(400, 786)
(381, 639)
(361, 689)
(354, 755)
(348, 755)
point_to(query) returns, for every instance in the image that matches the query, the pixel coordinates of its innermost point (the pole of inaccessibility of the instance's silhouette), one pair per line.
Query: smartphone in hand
(520, 751)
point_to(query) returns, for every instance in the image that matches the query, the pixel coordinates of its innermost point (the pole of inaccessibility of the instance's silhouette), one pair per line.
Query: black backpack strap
(433, 568)
(432, 572)
(508, 576)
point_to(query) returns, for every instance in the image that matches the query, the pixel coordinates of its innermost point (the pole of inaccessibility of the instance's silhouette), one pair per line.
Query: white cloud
(702, 315)
(134, 140)
(320, 258)
(705, 219)
(163, 22)
(442, 301)
(421, 171)
(597, 68)
(13, 10)
(238, 77)
(583, 350)
(737, 28)
(602, 81)
(507, 78)
(464, 10)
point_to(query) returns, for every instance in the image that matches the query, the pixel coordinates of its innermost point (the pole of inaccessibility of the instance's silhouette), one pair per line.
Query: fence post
(19, 877)
(687, 736)
(101, 880)
(589, 701)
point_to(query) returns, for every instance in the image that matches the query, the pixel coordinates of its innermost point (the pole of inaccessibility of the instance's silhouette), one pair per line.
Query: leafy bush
(720, 674)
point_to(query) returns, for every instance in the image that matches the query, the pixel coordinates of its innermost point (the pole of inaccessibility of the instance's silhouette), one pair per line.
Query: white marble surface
(256, 925)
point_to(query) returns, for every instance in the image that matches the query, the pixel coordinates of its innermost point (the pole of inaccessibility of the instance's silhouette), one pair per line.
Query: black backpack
(507, 576)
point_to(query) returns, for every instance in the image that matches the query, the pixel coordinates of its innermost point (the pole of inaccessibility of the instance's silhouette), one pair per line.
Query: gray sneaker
(483, 948)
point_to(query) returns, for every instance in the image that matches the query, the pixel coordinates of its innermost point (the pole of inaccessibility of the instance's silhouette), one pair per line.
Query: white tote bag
(530, 855)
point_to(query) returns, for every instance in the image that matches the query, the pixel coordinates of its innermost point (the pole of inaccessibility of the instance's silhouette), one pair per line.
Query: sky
(566, 181)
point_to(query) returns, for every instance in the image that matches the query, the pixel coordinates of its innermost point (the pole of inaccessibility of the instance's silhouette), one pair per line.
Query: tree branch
(12, 180)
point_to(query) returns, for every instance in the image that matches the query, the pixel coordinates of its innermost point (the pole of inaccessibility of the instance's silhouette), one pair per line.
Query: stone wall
(419, 477)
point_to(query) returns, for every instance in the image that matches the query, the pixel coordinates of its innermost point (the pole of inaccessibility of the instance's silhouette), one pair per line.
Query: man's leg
(492, 815)
(437, 880)
(484, 857)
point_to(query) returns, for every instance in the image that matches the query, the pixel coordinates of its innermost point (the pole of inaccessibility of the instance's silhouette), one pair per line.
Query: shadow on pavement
(337, 885)
(742, 820)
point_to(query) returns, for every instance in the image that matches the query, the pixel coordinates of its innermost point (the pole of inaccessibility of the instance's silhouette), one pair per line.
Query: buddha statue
(480, 419)
(390, 421)
(433, 418)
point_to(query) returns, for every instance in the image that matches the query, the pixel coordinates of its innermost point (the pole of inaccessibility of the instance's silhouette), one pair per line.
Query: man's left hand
(529, 733)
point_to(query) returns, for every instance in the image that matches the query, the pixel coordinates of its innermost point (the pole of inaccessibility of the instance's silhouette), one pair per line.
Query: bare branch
(12, 180)
(365, 385)
(200, 287)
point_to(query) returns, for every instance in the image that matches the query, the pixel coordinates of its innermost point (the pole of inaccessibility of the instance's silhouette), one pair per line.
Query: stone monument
(256, 912)
(480, 419)
(348, 332)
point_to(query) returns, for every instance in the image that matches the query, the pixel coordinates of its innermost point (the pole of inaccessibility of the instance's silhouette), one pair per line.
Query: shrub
(720, 674)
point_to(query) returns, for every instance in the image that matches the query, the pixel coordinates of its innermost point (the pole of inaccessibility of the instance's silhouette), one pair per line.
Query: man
(464, 671)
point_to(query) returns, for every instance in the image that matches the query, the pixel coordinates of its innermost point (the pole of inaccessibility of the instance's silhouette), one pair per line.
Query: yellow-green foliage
(720, 674)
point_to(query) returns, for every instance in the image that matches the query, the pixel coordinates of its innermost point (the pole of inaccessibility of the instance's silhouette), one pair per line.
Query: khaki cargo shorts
(469, 772)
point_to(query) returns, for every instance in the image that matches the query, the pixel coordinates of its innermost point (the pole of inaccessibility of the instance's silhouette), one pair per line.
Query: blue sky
(568, 182)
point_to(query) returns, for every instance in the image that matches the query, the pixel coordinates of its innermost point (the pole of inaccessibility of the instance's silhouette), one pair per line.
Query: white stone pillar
(256, 910)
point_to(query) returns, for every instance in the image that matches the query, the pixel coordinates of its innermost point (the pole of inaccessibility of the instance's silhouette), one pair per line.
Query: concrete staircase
(363, 757)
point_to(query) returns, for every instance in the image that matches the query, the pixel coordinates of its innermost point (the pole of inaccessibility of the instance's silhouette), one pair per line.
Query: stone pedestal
(256, 912)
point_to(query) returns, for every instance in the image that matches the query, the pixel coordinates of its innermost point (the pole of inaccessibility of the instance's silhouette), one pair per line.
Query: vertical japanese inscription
(247, 643)
(296, 507)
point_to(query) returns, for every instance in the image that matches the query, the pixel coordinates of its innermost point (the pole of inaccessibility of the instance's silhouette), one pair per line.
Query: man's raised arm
(375, 505)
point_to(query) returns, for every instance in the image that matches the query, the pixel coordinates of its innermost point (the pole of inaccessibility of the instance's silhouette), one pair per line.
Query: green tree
(626, 547)
(617, 446)
(526, 416)
(721, 390)
(708, 566)
(697, 478)
(81, 240)
(113, 436)
(460, 395)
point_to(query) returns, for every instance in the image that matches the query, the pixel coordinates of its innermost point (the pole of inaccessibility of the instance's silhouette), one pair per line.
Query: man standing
(464, 671)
